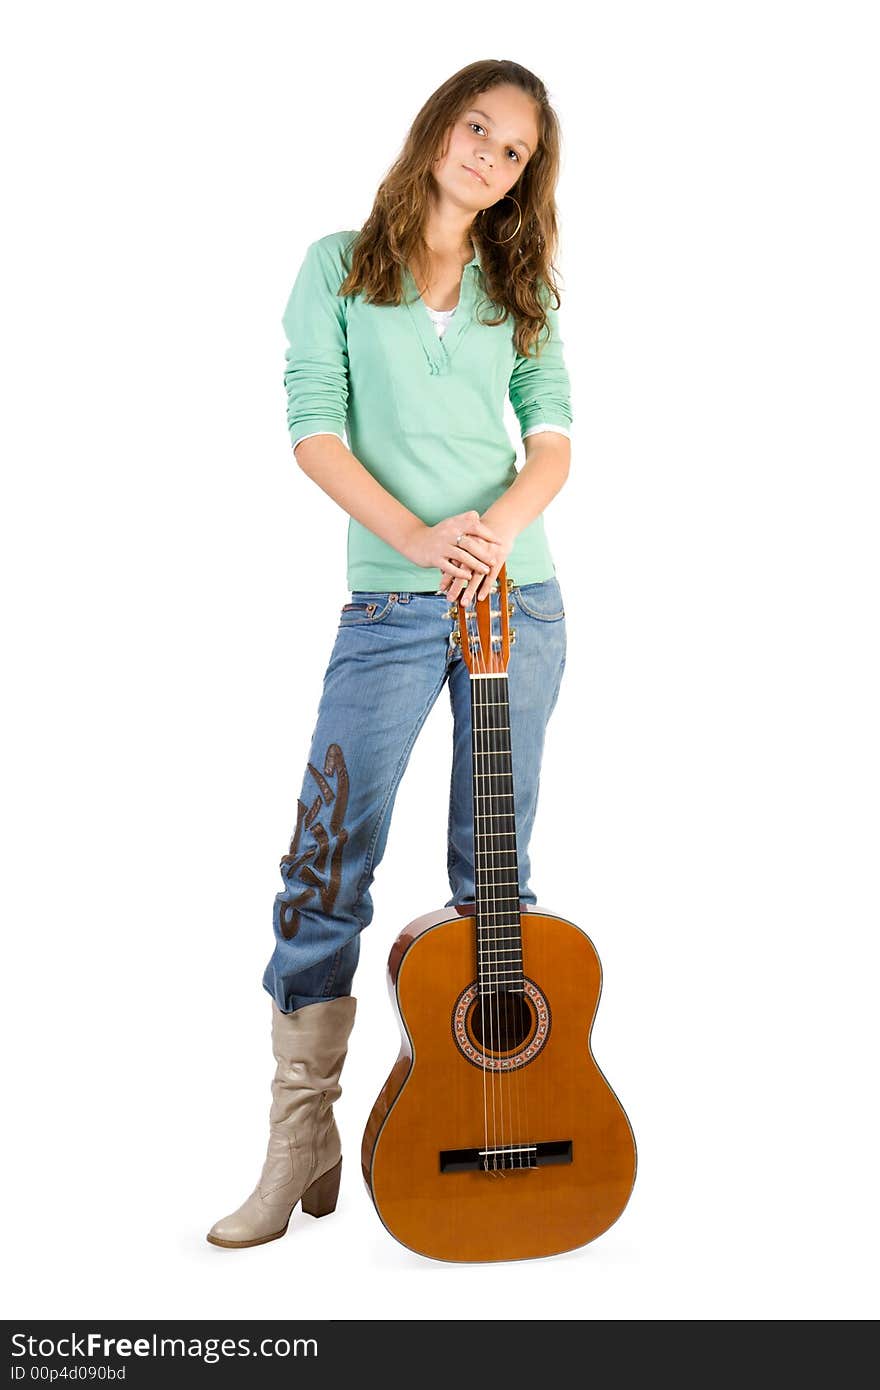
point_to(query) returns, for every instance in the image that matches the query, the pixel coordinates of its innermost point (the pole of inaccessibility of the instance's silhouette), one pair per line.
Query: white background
(709, 802)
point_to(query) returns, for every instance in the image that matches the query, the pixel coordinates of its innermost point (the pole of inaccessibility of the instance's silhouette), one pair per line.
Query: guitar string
(486, 706)
(489, 833)
(484, 960)
(478, 1006)
(501, 820)
(499, 815)
(491, 820)
(501, 754)
(517, 1083)
(479, 885)
(521, 1075)
(518, 1076)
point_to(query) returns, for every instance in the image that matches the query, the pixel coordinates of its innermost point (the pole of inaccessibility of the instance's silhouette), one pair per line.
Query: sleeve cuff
(556, 429)
(312, 434)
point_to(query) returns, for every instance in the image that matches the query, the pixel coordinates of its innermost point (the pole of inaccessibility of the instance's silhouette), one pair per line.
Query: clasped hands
(468, 552)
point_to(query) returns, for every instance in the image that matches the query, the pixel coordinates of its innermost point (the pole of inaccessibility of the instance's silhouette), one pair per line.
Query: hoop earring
(516, 228)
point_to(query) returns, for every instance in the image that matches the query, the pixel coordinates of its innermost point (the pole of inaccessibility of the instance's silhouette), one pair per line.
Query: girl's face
(496, 138)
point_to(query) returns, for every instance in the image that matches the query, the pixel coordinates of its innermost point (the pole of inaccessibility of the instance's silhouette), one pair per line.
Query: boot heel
(320, 1198)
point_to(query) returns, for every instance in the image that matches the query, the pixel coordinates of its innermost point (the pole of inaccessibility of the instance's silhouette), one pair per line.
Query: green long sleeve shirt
(423, 414)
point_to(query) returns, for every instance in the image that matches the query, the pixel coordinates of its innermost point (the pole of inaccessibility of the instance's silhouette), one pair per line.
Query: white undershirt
(441, 318)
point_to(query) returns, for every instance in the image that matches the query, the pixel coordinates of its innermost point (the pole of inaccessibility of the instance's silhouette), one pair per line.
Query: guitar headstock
(484, 632)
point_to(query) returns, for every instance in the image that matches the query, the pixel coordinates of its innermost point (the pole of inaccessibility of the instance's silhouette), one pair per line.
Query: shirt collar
(475, 258)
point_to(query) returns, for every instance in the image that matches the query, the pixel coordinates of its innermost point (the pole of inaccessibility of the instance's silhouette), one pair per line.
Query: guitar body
(503, 1147)
(496, 1136)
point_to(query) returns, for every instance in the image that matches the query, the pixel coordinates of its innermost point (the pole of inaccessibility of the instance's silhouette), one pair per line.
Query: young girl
(409, 334)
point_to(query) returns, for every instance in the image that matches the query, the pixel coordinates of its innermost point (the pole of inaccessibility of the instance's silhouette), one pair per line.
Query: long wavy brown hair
(518, 274)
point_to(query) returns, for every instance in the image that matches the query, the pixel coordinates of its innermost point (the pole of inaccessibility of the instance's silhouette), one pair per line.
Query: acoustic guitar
(496, 1136)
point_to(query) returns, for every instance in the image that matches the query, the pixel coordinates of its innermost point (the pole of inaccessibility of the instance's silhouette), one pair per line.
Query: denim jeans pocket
(366, 608)
(542, 600)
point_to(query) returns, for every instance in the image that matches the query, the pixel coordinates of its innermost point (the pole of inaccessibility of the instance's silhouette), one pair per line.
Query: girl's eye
(475, 125)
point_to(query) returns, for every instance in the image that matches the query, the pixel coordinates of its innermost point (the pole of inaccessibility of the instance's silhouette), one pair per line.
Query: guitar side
(439, 1105)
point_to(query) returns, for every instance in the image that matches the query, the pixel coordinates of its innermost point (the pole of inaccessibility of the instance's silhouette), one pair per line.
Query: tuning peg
(455, 637)
(512, 635)
(510, 609)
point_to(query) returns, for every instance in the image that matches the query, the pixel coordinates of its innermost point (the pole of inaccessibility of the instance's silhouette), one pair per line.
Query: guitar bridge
(505, 1157)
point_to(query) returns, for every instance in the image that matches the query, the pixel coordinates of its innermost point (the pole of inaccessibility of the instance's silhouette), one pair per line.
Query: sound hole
(501, 1022)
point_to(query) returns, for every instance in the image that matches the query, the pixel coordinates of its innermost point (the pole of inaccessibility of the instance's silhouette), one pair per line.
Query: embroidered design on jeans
(311, 865)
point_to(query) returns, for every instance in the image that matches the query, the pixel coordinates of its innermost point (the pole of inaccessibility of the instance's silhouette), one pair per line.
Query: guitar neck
(499, 930)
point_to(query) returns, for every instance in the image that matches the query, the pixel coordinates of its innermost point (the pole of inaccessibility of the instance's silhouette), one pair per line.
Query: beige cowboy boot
(304, 1158)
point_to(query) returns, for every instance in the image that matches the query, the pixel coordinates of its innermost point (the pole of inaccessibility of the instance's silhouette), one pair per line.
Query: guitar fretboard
(499, 931)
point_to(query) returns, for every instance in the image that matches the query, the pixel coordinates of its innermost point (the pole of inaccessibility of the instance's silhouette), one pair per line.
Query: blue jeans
(392, 656)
